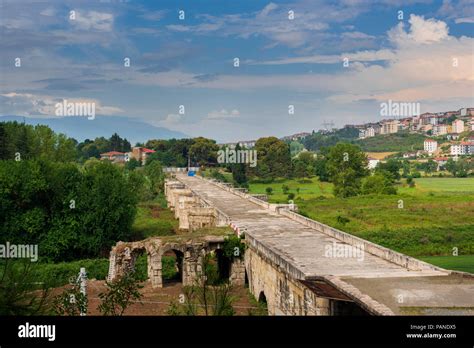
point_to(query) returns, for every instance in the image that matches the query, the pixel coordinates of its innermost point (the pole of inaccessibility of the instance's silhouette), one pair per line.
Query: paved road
(305, 248)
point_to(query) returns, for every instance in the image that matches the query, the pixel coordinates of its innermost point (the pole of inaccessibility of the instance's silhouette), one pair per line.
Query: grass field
(426, 185)
(154, 220)
(464, 263)
(308, 188)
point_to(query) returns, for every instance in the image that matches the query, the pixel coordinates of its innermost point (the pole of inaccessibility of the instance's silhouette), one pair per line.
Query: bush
(233, 247)
(379, 184)
(58, 274)
(291, 196)
(342, 220)
(269, 190)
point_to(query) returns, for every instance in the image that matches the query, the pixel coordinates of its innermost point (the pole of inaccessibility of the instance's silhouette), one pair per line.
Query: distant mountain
(81, 128)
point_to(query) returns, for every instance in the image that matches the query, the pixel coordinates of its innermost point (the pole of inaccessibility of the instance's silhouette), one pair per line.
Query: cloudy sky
(425, 57)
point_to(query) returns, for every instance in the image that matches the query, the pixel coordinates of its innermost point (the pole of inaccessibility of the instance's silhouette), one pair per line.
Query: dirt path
(157, 301)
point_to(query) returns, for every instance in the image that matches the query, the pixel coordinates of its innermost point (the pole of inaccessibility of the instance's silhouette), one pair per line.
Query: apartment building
(430, 145)
(457, 126)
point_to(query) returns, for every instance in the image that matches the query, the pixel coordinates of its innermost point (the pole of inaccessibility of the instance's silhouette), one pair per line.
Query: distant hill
(81, 128)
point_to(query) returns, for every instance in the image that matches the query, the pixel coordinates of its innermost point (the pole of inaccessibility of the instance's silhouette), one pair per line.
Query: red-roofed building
(441, 161)
(113, 156)
(141, 153)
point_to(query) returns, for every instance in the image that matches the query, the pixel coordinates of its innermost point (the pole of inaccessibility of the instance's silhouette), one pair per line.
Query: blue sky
(283, 61)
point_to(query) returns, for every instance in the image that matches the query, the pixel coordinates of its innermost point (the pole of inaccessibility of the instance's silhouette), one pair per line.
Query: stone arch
(262, 298)
(223, 265)
(179, 251)
(135, 253)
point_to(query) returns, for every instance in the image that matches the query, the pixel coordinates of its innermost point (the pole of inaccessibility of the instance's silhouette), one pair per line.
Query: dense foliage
(21, 142)
(70, 212)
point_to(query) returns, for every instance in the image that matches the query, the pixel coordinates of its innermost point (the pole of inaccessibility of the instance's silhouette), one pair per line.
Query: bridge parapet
(400, 259)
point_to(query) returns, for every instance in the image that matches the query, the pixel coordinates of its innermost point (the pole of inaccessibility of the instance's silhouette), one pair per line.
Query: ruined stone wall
(190, 256)
(284, 295)
(237, 272)
(201, 217)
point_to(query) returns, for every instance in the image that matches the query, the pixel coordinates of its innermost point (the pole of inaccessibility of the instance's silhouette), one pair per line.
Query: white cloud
(93, 20)
(422, 31)
(49, 12)
(173, 118)
(25, 104)
(153, 15)
(464, 20)
(223, 114)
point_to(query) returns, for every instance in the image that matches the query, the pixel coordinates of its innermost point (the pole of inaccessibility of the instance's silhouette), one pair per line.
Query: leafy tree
(154, 171)
(320, 168)
(379, 184)
(274, 158)
(120, 294)
(392, 166)
(239, 171)
(132, 164)
(70, 213)
(346, 166)
(204, 151)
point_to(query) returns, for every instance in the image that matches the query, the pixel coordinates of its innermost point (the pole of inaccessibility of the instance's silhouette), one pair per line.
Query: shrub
(269, 190)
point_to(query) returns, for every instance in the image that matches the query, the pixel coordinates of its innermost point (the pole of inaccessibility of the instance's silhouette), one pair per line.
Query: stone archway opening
(139, 263)
(223, 264)
(172, 266)
(262, 298)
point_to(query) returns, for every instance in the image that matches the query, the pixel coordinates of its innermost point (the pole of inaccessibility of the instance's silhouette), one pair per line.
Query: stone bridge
(302, 267)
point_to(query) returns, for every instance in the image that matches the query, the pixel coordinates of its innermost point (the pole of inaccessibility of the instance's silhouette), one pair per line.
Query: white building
(389, 127)
(440, 129)
(430, 145)
(458, 126)
(370, 132)
(372, 162)
(457, 150)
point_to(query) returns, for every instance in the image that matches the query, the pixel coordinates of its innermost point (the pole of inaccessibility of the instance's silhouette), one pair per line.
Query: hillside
(398, 142)
(80, 128)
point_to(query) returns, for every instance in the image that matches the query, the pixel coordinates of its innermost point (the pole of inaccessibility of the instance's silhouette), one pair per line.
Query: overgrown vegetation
(209, 296)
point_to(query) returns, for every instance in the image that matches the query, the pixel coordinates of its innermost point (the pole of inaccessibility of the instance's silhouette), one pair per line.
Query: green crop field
(308, 188)
(464, 263)
(425, 185)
